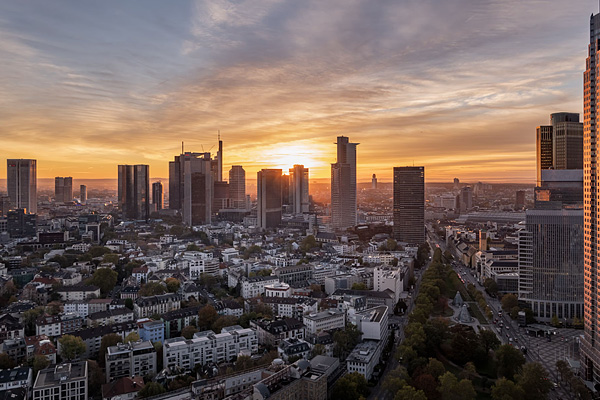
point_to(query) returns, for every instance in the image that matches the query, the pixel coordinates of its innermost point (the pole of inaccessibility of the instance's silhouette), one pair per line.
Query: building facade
(133, 193)
(409, 205)
(298, 189)
(268, 196)
(237, 187)
(343, 185)
(21, 181)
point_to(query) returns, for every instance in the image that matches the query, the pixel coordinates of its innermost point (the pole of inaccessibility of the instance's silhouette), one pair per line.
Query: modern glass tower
(134, 196)
(237, 187)
(268, 210)
(21, 179)
(590, 344)
(343, 185)
(299, 189)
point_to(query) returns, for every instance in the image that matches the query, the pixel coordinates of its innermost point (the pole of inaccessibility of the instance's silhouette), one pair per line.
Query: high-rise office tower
(299, 189)
(82, 194)
(567, 133)
(544, 150)
(409, 205)
(237, 187)
(133, 193)
(374, 182)
(220, 197)
(551, 266)
(21, 180)
(590, 344)
(4, 205)
(343, 185)
(286, 198)
(268, 190)
(191, 187)
(520, 199)
(63, 189)
(466, 199)
(157, 196)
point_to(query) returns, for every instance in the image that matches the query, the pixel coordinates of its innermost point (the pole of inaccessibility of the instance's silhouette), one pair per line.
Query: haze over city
(456, 86)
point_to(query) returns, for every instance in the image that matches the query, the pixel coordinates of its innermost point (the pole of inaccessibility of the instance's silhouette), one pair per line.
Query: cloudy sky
(456, 85)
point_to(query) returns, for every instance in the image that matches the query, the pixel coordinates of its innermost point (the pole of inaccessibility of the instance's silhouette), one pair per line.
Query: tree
(224, 321)
(243, 362)
(359, 286)
(188, 331)
(29, 318)
(172, 285)
(181, 381)
(98, 251)
(132, 337)
(71, 347)
(308, 243)
(534, 381)
(491, 286)
(207, 317)
(6, 362)
(510, 361)
(555, 322)
(509, 301)
(111, 258)
(488, 340)
(410, 393)
(111, 339)
(151, 389)
(264, 310)
(469, 372)
(96, 376)
(427, 384)
(453, 389)
(507, 390)
(151, 289)
(435, 368)
(395, 379)
(39, 363)
(105, 279)
(351, 386)
(129, 303)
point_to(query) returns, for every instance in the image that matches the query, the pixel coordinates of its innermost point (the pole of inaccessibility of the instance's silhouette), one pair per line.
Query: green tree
(243, 363)
(39, 363)
(151, 389)
(98, 251)
(181, 381)
(111, 339)
(510, 361)
(435, 368)
(151, 289)
(396, 379)
(351, 386)
(95, 377)
(188, 331)
(129, 303)
(172, 285)
(105, 279)
(453, 389)
(6, 362)
(533, 380)
(555, 322)
(71, 347)
(223, 321)
(317, 350)
(132, 337)
(359, 286)
(509, 301)
(507, 390)
(410, 393)
(111, 258)
(488, 340)
(308, 243)
(491, 286)
(29, 318)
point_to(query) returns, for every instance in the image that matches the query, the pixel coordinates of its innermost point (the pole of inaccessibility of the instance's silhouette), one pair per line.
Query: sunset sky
(456, 86)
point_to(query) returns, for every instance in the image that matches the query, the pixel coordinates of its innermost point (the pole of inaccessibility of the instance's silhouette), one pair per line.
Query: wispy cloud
(458, 86)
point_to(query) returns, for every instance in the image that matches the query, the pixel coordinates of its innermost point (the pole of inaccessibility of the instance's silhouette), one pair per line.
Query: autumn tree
(172, 285)
(6, 362)
(510, 361)
(533, 379)
(105, 279)
(111, 339)
(351, 386)
(151, 389)
(509, 301)
(151, 289)
(507, 390)
(410, 393)
(39, 363)
(207, 317)
(132, 337)
(453, 389)
(188, 331)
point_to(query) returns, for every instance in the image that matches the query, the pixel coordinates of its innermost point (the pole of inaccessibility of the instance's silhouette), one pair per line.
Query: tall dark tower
(134, 196)
(157, 196)
(343, 185)
(21, 181)
(268, 185)
(409, 205)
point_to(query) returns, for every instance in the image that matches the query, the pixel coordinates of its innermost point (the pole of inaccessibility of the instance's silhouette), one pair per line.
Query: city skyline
(95, 80)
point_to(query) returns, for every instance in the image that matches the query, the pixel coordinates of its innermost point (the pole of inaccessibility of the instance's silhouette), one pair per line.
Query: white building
(388, 278)
(255, 286)
(373, 323)
(323, 321)
(62, 382)
(148, 306)
(364, 358)
(200, 263)
(279, 289)
(130, 359)
(208, 346)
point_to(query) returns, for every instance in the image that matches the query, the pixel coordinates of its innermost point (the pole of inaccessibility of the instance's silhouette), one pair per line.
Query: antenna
(182, 147)
(219, 131)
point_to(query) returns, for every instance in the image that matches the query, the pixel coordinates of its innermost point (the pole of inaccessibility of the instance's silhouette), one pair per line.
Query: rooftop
(54, 375)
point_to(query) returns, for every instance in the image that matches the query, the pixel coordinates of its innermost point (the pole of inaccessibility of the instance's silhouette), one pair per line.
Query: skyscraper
(544, 151)
(374, 182)
(268, 185)
(466, 199)
(191, 187)
(157, 196)
(21, 180)
(343, 185)
(409, 205)
(63, 189)
(567, 133)
(133, 193)
(237, 187)
(590, 344)
(551, 248)
(82, 194)
(299, 189)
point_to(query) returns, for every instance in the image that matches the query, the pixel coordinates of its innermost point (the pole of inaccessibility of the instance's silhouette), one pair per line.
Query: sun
(285, 156)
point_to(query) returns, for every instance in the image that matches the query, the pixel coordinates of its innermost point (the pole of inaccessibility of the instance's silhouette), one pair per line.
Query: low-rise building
(153, 331)
(176, 320)
(364, 358)
(10, 328)
(115, 316)
(255, 286)
(293, 348)
(83, 292)
(149, 306)
(92, 337)
(130, 359)
(40, 345)
(208, 346)
(125, 388)
(15, 378)
(324, 321)
(271, 333)
(49, 325)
